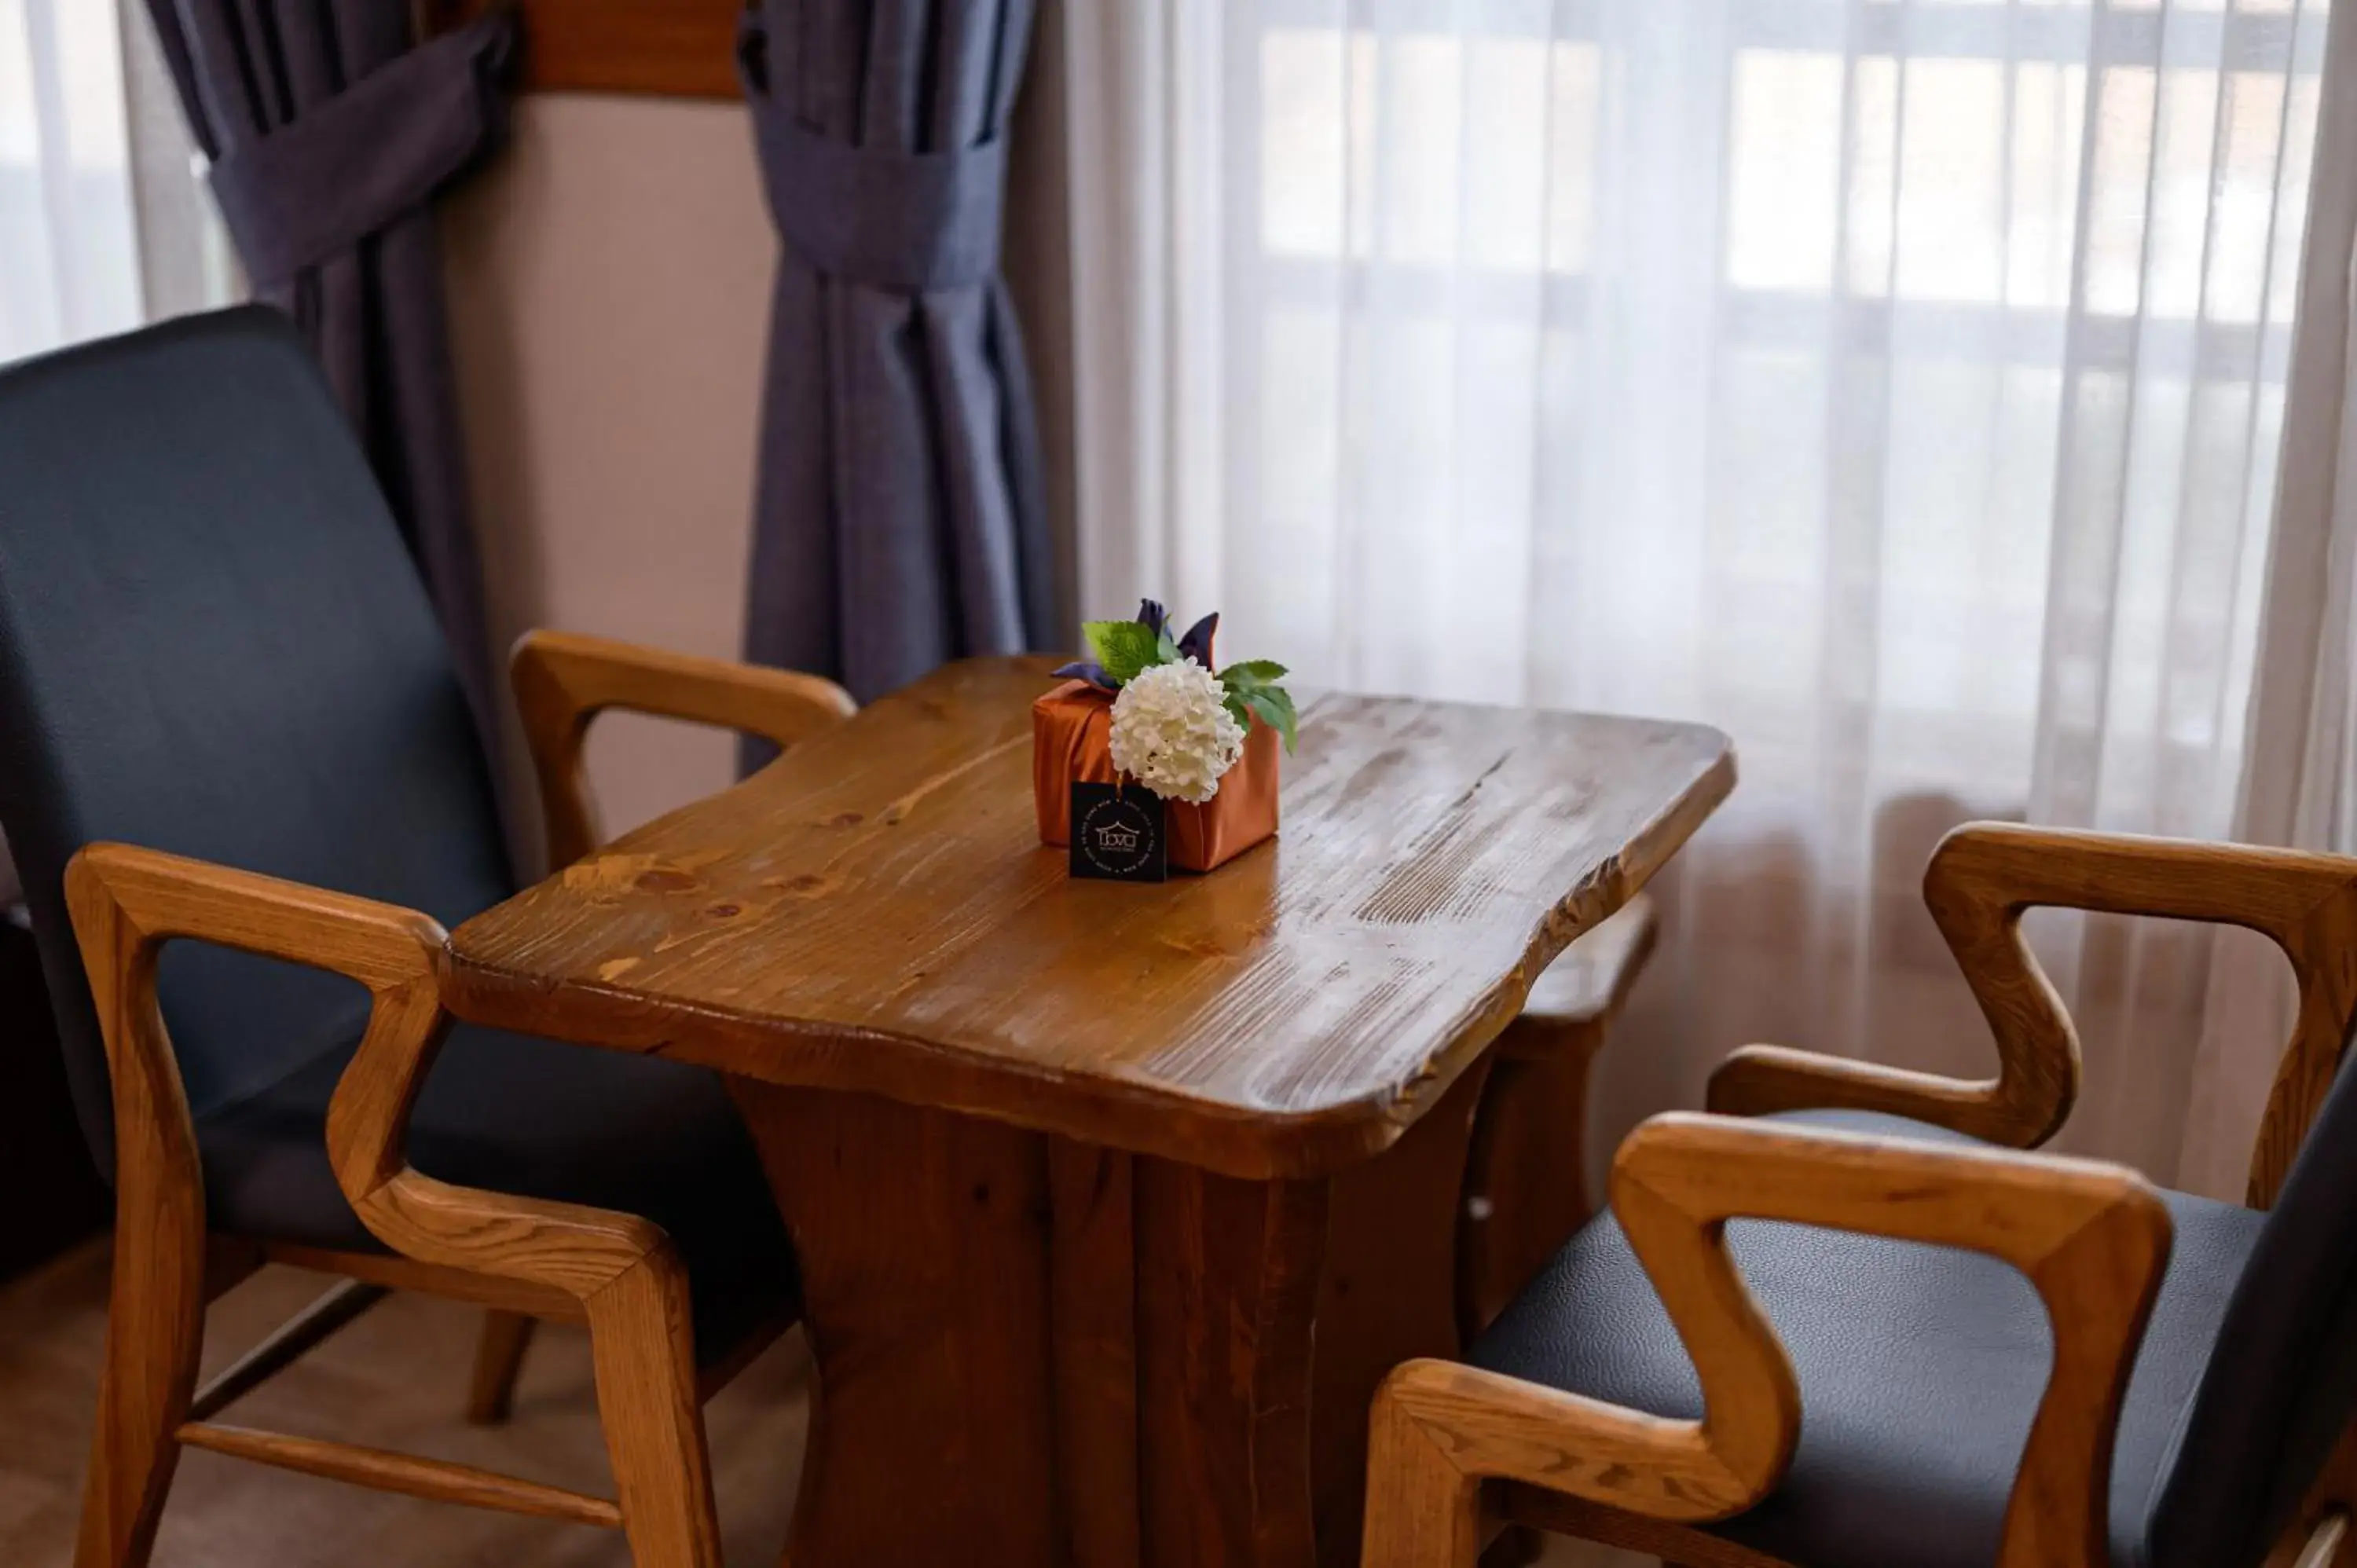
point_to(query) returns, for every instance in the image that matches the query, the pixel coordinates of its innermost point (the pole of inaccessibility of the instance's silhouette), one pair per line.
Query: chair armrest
(2091, 1238)
(1985, 876)
(127, 902)
(563, 680)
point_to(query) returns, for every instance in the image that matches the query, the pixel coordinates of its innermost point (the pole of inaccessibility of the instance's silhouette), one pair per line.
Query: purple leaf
(1086, 669)
(1197, 643)
(1152, 615)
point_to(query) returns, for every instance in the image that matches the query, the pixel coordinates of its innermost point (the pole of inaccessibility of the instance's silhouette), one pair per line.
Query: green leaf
(1236, 710)
(1122, 647)
(1253, 672)
(1166, 648)
(1273, 706)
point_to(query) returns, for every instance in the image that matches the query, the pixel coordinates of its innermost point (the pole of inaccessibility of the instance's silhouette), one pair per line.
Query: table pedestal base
(1036, 1354)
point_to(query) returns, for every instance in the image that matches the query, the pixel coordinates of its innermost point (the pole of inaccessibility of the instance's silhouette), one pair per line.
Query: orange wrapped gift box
(1072, 732)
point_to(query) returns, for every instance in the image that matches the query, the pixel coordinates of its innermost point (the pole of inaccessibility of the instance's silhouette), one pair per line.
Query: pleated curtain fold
(900, 509)
(331, 128)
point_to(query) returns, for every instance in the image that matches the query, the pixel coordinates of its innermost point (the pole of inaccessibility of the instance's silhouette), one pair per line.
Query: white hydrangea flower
(1171, 733)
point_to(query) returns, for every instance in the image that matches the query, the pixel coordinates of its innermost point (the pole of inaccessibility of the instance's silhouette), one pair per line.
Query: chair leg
(499, 1361)
(1422, 1511)
(2321, 1535)
(155, 1330)
(643, 1344)
(2328, 1543)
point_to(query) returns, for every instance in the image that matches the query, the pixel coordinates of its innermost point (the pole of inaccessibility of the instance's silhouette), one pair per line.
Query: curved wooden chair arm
(2091, 1238)
(127, 902)
(563, 680)
(1985, 876)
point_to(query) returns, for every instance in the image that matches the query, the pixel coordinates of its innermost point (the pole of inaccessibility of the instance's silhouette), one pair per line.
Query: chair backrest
(212, 641)
(2281, 1383)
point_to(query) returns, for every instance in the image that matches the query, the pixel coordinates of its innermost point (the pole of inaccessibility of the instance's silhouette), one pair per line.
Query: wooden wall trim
(680, 48)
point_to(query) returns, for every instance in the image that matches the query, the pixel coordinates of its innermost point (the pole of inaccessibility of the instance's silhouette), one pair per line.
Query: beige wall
(610, 280)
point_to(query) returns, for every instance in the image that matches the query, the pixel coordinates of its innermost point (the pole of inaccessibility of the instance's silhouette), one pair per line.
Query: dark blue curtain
(900, 515)
(331, 128)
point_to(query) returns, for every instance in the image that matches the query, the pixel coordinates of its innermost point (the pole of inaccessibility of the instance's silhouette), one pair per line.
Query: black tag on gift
(1117, 834)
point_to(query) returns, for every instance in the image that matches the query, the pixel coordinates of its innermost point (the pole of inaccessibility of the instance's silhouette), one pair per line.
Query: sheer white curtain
(2299, 775)
(1897, 384)
(103, 220)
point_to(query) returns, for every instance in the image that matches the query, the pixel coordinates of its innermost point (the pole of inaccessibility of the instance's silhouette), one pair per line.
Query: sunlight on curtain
(69, 265)
(1893, 384)
(104, 224)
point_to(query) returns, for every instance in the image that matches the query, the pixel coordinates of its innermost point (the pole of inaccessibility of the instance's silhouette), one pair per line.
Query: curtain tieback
(909, 221)
(350, 167)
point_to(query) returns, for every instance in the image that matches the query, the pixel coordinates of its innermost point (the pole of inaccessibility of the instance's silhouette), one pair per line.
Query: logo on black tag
(1117, 834)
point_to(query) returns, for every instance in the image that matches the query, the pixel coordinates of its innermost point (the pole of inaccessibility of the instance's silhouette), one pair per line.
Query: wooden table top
(873, 912)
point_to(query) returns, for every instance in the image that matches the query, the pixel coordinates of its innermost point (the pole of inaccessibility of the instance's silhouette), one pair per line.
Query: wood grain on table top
(873, 912)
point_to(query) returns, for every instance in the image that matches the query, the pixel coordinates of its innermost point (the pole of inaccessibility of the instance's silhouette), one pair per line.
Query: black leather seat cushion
(1919, 1368)
(542, 1120)
(213, 641)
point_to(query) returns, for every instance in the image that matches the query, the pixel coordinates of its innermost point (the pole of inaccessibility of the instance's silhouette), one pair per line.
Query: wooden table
(1075, 1168)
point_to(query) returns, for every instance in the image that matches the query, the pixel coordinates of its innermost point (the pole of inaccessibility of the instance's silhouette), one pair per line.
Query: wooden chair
(1526, 1182)
(2078, 1371)
(212, 646)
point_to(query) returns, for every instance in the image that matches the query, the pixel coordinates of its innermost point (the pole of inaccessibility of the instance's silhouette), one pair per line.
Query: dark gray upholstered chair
(1915, 1343)
(213, 648)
